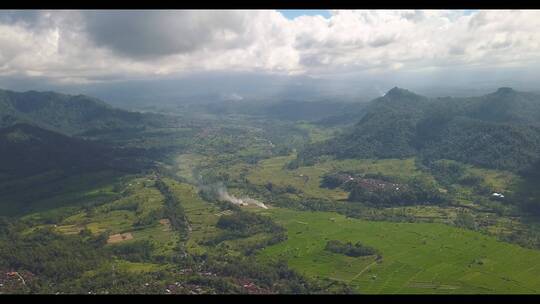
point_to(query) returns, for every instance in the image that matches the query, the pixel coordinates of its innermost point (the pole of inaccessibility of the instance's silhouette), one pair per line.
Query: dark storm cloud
(142, 34)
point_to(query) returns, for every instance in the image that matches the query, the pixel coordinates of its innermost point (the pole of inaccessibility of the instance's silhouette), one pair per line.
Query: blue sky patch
(292, 13)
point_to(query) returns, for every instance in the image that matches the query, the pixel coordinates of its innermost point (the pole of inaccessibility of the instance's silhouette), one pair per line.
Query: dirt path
(363, 270)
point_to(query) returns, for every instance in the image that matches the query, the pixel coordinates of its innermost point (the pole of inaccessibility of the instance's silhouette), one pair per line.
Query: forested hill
(498, 130)
(27, 150)
(68, 114)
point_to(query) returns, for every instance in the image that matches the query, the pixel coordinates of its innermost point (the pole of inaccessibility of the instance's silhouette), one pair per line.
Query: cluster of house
(366, 183)
(377, 184)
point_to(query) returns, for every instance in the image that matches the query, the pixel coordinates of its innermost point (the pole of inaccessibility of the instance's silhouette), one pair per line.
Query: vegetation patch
(349, 249)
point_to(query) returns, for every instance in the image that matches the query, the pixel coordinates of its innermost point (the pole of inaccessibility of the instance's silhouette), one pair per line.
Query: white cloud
(72, 46)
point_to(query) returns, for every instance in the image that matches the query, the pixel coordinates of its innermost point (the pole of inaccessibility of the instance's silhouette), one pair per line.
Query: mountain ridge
(403, 124)
(68, 114)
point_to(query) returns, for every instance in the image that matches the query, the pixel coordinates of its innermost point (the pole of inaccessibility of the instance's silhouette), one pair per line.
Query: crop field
(186, 164)
(316, 134)
(201, 215)
(500, 181)
(119, 218)
(308, 178)
(416, 257)
(305, 178)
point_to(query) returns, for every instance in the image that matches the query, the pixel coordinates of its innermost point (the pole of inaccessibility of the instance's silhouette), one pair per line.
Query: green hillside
(499, 130)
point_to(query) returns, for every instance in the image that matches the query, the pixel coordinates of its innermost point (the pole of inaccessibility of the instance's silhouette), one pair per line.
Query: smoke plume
(224, 195)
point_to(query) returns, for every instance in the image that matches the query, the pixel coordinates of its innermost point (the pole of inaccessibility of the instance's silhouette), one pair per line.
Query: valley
(152, 217)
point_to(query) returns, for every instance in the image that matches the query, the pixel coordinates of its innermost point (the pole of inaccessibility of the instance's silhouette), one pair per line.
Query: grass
(308, 178)
(500, 181)
(164, 241)
(305, 178)
(186, 164)
(119, 216)
(128, 266)
(201, 215)
(316, 134)
(417, 257)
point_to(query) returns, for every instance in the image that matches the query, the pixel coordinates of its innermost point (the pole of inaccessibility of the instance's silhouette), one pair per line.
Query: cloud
(143, 34)
(98, 46)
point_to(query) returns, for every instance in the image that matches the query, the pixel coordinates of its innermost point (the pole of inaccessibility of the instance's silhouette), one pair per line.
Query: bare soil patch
(120, 237)
(166, 224)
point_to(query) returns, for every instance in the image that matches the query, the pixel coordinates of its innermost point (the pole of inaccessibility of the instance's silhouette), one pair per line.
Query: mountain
(506, 106)
(68, 114)
(386, 129)
(37, 165)
(498, 130)
(26, 149)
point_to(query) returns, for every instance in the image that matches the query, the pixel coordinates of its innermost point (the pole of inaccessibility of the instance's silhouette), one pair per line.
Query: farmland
(417, 257)
(171, 224)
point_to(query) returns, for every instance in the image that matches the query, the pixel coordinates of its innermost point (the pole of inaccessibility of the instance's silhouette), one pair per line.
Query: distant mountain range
(498, 130)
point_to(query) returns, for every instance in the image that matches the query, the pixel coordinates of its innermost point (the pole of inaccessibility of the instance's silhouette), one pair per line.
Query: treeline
(349, 249)
(243, 224)
(174, 210)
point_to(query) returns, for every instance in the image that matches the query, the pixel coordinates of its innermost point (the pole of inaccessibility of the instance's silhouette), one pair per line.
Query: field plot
(120, 237)
(498, 180)
(416, 257)
(126, 219)
(202, 216)
(308, 178)
(186, 164)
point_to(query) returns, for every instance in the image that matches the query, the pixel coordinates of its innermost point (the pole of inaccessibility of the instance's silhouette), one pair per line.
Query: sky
(325, 52)
(293, 13)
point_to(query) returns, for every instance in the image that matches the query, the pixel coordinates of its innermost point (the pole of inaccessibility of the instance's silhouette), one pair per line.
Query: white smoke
(225, 196)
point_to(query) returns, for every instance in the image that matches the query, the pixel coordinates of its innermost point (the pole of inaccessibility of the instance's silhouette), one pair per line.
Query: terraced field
(119, 218)
(202, 216)
(417, 257)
